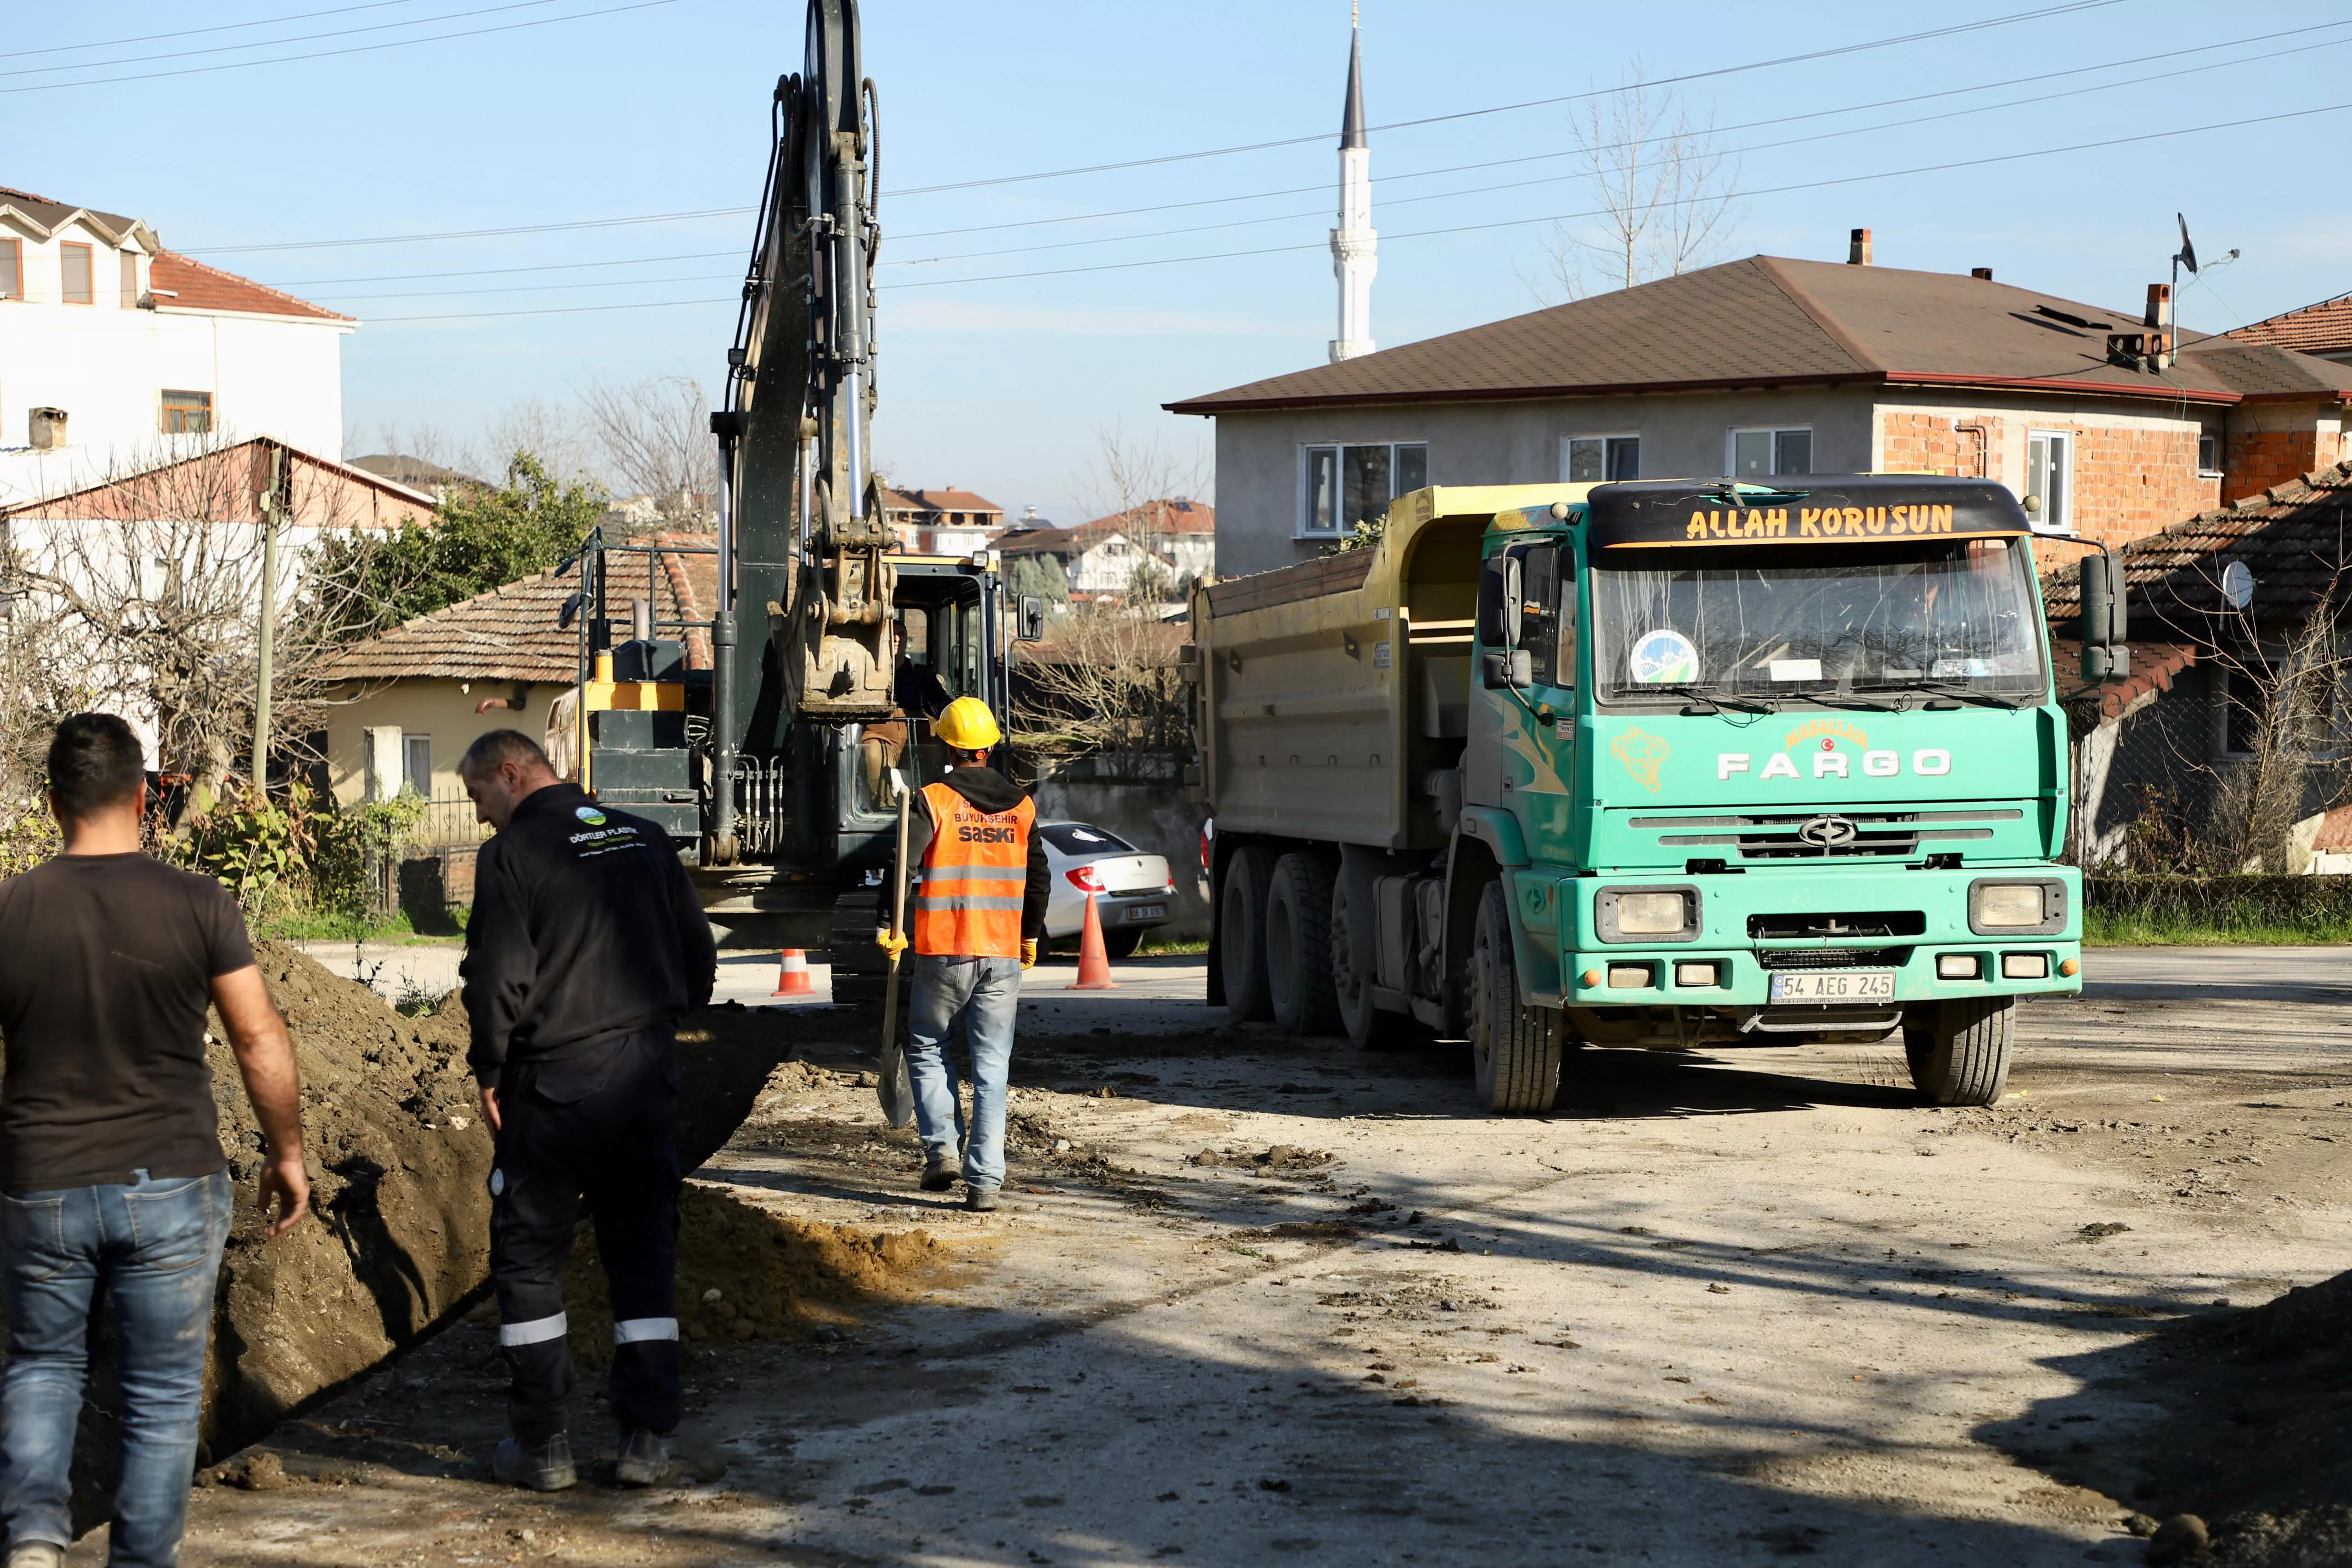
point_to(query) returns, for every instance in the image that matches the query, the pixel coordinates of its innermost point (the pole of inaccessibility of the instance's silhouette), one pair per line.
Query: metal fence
(447, 824)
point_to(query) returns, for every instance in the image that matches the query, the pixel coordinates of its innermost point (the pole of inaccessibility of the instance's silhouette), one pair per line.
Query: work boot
(980, 1199)
(546, 1468)
(938, 1176)
(644, 1460)
(36, 1554)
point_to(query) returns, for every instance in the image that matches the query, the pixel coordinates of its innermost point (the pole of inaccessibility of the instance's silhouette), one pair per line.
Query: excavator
(830, 649)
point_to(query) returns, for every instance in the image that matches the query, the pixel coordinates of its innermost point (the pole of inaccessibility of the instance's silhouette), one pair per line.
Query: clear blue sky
(1003, 385)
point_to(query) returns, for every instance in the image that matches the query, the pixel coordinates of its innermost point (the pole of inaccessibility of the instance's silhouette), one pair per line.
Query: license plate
(1820, 986)
(1148, 912)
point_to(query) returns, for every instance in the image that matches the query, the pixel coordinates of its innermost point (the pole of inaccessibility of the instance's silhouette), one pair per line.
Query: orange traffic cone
(793, 980)
(1094, 963)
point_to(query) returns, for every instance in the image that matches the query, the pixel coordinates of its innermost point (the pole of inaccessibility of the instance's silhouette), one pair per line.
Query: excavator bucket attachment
(833, 643)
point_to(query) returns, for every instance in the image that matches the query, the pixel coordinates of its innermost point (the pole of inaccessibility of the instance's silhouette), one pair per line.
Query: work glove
(890, 942)
(1029, 954)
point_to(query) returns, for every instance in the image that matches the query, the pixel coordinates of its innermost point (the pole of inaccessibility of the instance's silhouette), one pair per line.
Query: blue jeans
(154, 1247)
(981, 994)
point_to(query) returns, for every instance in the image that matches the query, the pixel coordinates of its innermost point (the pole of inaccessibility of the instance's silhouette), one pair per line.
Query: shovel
(895, 1089)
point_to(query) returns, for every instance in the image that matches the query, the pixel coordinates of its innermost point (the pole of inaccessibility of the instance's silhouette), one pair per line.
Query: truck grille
(1813, 835)
(1832, 957)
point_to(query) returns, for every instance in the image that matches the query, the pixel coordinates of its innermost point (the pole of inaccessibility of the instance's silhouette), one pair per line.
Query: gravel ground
(1257, 1300)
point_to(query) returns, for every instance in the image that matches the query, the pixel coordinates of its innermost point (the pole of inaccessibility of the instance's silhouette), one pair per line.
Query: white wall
(107, 364)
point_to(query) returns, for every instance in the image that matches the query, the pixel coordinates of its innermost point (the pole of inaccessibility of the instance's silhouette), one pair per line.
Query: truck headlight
(2017, 907)
(1647, 913)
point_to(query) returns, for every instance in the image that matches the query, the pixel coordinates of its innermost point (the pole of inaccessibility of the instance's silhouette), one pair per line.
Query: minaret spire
(1354, 242)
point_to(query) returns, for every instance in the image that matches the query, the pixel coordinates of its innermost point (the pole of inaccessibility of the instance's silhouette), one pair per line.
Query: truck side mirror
(1513, 667)
(1514, 600)
(2105, 624)
(1030, 611)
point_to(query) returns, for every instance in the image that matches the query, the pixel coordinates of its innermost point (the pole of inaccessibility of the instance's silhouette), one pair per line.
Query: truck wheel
(1369, 1026)
(1959, 1051)
(1516, 1047)
(1298, 945)
(1241, 935)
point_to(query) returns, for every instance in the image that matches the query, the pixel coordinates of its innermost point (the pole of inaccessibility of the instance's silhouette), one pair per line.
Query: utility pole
(272, 507)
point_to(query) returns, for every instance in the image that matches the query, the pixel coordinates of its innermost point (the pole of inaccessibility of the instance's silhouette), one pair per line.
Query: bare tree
(1135, 482)
(552, 433)
(146, 587)
(655, 438)
(1665, 188)
(1105, 682)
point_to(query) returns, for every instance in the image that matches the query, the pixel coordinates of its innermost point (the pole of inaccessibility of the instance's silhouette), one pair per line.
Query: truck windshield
(1956, 616)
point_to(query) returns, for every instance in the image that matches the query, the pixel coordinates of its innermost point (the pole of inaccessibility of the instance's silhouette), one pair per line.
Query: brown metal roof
(1768, 320)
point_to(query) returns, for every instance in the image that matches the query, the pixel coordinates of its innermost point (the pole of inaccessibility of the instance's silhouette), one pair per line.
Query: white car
(1133, 891)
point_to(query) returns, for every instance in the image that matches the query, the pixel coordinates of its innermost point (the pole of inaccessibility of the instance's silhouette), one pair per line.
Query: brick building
(941, 522)
(1769, 366)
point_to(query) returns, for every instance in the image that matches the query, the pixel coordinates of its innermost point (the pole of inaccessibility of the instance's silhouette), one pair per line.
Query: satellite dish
(2237, 585)
(2188, 257)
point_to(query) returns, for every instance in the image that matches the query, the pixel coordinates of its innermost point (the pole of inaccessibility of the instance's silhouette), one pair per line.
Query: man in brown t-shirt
(111, 1176)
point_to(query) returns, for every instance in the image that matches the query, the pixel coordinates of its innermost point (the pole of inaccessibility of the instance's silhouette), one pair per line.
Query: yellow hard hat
(968, 725)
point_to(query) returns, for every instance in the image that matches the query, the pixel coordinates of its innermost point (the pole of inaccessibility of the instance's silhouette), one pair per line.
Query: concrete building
(1174, 540)
(946, 521)
(107, 340)
(1770, 366)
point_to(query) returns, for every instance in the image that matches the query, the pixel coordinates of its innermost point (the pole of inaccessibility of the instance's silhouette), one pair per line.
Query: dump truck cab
(1667, 763)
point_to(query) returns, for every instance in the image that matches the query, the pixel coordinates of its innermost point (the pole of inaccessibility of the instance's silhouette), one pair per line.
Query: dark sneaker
(644, 1461)
(939, 1178)
(547, 1467)
(980, 1199)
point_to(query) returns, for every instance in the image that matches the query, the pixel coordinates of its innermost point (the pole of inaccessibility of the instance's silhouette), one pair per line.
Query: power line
(331, 54)
(532, 287)
(496, 271)
(1556, 179)
(273, 43)
(2062, 9)
(1466, 228)
(2035, 15)
(220, 27)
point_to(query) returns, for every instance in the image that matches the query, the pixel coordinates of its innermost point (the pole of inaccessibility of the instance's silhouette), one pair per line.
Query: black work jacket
(585, 927)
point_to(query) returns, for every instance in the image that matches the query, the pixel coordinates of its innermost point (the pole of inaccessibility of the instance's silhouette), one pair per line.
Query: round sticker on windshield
(590, 815)
(1664, 658)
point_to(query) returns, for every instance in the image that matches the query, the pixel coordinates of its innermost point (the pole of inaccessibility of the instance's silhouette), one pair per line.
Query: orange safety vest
(974, 875)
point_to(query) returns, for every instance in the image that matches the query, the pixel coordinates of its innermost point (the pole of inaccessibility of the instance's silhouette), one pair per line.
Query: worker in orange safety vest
(979, 911)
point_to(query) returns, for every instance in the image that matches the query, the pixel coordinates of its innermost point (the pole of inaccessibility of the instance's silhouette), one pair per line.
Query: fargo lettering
(1934, 763)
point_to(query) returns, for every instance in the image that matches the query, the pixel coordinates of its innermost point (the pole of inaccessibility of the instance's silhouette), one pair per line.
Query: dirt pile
(2257, 1433)
(744, 1273)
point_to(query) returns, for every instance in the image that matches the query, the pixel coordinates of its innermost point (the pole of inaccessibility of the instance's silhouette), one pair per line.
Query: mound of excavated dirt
(746, 1274)
(2257, 1436)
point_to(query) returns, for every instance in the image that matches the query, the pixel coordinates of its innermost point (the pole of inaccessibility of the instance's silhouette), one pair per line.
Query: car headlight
(1647, 913)
(2016, 908)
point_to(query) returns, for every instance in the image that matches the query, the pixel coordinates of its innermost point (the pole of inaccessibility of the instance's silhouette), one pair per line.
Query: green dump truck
(1663, 764)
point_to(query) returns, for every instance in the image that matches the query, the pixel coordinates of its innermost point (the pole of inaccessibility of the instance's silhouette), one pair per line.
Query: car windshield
(1955, 617)
(1079, 840)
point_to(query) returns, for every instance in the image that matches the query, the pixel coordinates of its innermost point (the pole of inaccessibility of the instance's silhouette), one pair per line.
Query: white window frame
(1731, 445)
(1299, 530)
(2219, 454)
(1604, 437)
(409, 746)
(2065, 488)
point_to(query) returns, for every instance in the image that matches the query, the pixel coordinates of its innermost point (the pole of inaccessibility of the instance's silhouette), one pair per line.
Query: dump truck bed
(1331, 691)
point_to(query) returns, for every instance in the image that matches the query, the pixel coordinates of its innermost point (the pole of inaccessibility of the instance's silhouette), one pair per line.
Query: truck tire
(1516, 1047)
(1369, 1026)
(1959, 1051)
(1123, 944)
(1298, 945)
(1241, 935)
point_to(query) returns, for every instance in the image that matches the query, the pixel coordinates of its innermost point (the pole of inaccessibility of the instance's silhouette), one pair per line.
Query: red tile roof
(937, 501)
(1768, 320)
(2322, 328)
(1159, 517)
(201, 287)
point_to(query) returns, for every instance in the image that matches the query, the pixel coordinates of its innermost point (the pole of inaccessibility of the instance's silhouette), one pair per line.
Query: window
(1350, 484)
(1547, 622)
(2048, 472)
(1761, 453)
(12, 269)
(130, 279)
(416, 765)
(2208, 456)
(187, 412)
(1597, 459)
(73, 267)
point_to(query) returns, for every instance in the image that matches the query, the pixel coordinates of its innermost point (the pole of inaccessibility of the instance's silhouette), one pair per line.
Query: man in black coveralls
(586, 945)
